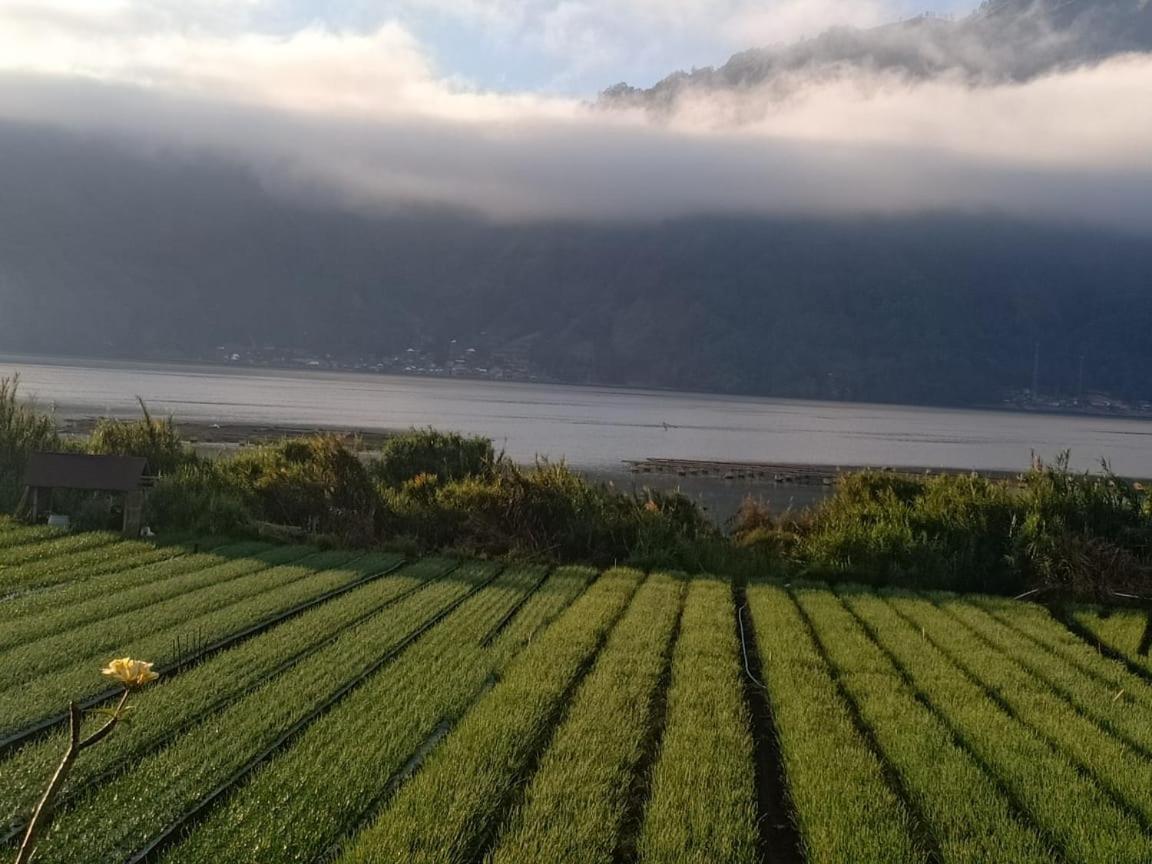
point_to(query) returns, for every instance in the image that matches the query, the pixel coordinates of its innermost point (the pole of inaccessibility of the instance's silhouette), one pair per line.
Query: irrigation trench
(776, 832)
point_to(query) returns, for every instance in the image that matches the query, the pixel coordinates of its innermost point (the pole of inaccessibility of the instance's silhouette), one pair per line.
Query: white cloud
(368, 118)
(757, 24)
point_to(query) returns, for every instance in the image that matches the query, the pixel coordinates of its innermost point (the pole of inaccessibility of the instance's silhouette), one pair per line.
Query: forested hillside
(103, 252)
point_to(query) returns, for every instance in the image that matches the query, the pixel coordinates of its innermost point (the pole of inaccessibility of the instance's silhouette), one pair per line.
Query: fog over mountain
(900, 213)
(1002, 41)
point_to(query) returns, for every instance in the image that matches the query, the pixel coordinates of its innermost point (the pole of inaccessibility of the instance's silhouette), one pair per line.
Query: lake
(592, 428)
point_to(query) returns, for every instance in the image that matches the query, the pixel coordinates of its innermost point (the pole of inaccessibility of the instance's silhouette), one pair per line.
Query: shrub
(942, 531)
(546, 511)
(199, 498)
(156, 440)
(315, 483)
(23, 430)
(448, 456)
(1081, 532)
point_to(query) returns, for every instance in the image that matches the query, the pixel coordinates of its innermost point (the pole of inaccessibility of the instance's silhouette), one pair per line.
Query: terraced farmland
(334, 706)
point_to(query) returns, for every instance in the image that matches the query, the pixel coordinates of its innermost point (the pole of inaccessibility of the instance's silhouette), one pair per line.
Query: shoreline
(218, 366)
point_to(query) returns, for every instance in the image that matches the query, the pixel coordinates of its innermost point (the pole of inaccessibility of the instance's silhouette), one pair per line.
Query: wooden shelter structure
(126, 475)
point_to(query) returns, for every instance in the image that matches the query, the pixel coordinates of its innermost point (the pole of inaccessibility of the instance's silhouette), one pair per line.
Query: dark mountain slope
(106, 252)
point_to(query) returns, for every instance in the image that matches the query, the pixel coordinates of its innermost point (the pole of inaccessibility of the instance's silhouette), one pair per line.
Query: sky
(570, 47)
(485, 105)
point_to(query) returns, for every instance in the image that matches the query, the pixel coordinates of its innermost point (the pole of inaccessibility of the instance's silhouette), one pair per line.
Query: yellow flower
(129, 672)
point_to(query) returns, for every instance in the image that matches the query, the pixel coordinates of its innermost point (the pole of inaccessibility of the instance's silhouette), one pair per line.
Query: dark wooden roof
(81, 471)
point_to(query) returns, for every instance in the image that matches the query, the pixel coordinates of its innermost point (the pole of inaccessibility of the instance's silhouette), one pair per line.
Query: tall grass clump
(157, 440)
(23, 430)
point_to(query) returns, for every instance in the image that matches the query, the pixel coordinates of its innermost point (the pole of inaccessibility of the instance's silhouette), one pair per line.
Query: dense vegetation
(358, 707)
(931, 308)
(1084, 535)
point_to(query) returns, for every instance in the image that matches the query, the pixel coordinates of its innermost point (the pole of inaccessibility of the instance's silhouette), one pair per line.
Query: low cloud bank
(364, 120)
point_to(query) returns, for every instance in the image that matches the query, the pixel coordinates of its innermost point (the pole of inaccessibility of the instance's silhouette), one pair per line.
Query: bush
(448, 456)
(156, 440)
(23, 430)
(1080, 532)
(315, 483)
(547, 511)
(198, 498)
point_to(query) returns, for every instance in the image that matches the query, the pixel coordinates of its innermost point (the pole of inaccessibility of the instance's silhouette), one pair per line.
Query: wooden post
(133, 512)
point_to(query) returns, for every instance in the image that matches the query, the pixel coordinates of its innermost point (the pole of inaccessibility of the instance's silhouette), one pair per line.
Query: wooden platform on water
(788, 472)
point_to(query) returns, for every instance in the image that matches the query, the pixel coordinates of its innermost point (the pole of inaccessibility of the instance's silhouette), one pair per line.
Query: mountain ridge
(1001, 41)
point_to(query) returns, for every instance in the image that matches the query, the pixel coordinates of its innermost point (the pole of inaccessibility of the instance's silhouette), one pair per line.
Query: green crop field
(339, 706)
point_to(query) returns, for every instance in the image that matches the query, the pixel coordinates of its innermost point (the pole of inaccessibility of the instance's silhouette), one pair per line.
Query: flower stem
(43, 811)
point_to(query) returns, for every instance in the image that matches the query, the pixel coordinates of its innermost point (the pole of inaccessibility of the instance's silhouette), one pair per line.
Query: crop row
(702, 800)
(967, 818)
(174, 705)
(445, 814)
(1117, 768)
(231, 583)
(1035, 623)
(81, 589)
(161, 581)
(389, 720)
(235, 607)
(1067, 807)
(1122, 704)
(575, 805)
(49, 547)
(40, 573)
(1125, 631)
(844, 806)
(344, 767)
(157, 795)
(16, 534)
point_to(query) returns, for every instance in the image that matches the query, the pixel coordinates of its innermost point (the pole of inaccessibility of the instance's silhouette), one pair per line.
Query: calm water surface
(591, 427)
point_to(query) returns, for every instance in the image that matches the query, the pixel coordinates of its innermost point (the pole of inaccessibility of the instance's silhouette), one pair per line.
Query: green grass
(1119, 769)
(163, 580)
(236, 606)
(166, 784)
(39, 549)
(176, 703)
(336, 786)
(1122, 630)
(1036, 624)
(845, 809)
(971, 826)
(83, 564)
(444, 814)
(702, 804)
(505, 714)
(232, 583)
(1121, 702)
(575, 806)
(1068, 806)
(15, 534)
